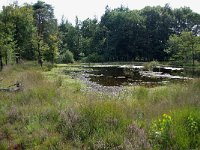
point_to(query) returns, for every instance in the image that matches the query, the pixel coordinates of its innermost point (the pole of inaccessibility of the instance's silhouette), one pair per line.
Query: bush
(151, 65)
(66, 57)
(99, 125)
(186, 128)
(181, 130)
(160, 132)
(94, 57)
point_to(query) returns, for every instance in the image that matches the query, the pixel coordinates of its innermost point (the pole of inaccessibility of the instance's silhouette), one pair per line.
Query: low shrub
(151, 65)
(186, 128)
(66, 57)
(181, 130)
(99, 124)
(94, 57)
(160, 132)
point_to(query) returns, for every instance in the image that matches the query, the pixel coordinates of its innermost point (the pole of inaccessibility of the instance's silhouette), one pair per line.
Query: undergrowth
(52, 112)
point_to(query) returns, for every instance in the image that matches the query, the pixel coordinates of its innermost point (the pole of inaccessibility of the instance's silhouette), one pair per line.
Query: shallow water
(115, 76)
(105, 76)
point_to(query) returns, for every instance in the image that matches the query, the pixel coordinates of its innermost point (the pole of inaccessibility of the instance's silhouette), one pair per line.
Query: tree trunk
(52, 58)
(1, 62)
(193, 60)
(6, 59)
(17, 59)
(193, 56)
(39, 55)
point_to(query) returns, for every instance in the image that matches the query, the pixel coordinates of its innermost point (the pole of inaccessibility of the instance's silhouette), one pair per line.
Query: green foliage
(181, 132)
(21, 34)
(186, 128)
(184, 48)
(60, 115)
(93, 58)
(126, 35)
(151, 65)
(31, 32)
(160, 133)
(51, 51)
(25, 32)
(93, 123)
(121, 26)
(7, 41)
(47, 32)
(70, 38)
(141, 93)
(66, 57)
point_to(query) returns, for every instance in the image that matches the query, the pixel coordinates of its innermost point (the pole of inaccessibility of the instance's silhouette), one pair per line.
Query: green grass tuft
(53, 112)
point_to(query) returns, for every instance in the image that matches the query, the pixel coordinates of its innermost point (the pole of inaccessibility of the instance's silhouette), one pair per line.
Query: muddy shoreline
(95, 87)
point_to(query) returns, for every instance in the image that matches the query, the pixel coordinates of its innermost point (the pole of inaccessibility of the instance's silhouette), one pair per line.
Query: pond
(112, 78)
(114, 75)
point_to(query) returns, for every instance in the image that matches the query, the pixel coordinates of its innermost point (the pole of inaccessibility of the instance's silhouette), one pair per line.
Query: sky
(95, 8)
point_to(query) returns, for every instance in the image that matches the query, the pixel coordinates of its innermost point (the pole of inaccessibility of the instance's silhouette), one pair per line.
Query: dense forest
(31, 32)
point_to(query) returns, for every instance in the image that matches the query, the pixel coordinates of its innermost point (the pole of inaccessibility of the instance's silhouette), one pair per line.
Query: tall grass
(52, 112)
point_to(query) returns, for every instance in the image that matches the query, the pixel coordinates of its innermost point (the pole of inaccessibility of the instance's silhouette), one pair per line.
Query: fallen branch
(13, 88)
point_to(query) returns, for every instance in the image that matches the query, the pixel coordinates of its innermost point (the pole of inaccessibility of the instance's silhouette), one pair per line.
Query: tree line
(132, 35)
(31, 32)
(28, 32)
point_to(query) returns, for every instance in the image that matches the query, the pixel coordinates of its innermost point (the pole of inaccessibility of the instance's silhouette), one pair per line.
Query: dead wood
(13, 88)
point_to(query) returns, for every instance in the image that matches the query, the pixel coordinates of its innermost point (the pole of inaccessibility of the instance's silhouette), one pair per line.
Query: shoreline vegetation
(53, 112)
(44, 106)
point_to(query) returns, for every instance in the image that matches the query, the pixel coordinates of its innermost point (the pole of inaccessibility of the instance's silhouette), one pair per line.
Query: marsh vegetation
(144, 93)
(53, 111)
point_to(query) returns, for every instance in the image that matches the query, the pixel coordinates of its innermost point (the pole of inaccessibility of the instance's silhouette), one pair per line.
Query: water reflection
(116, 76)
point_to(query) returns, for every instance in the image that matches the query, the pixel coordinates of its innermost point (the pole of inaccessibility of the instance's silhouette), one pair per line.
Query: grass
(52, 112)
